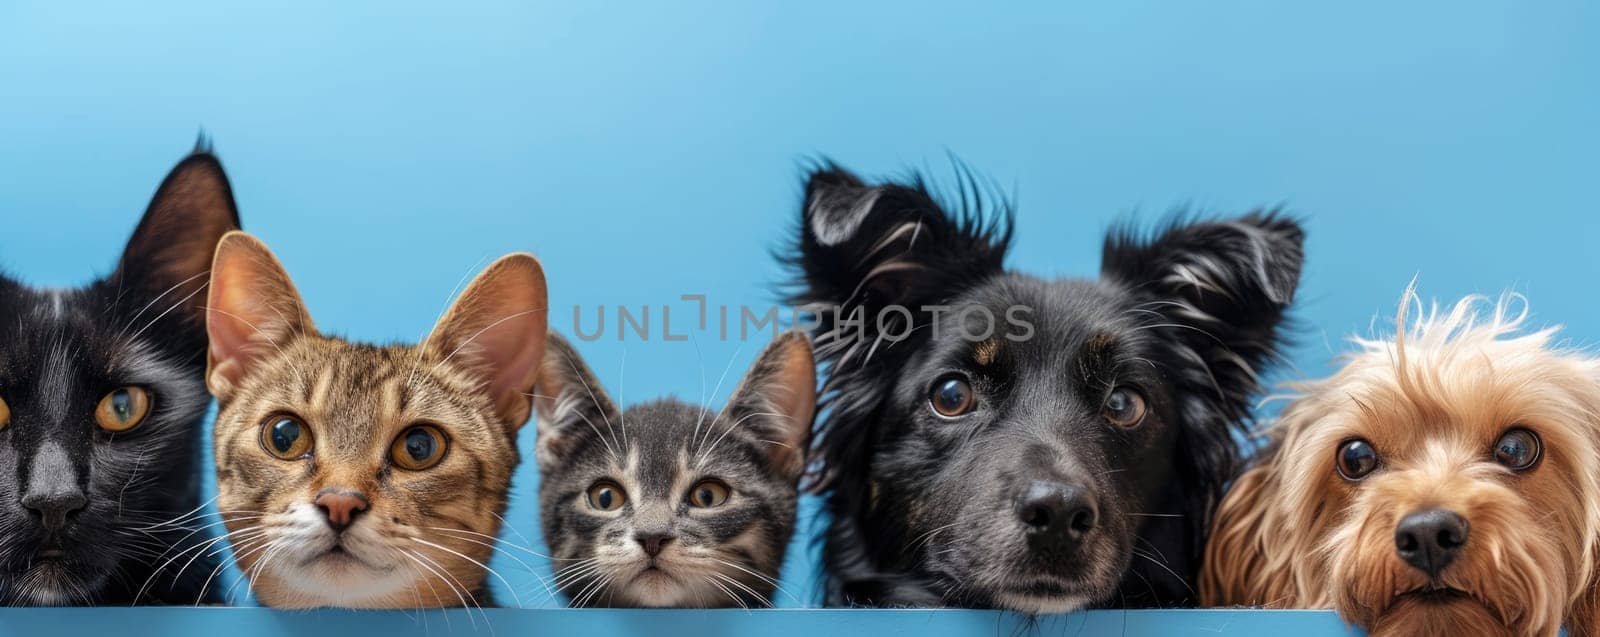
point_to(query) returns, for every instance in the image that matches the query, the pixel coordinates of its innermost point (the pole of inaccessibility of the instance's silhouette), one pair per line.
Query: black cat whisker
(157, 298)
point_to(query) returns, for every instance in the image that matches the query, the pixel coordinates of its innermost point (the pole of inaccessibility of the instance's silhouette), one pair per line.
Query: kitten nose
(1430, 540)
(1056, 514)
(53, 492)
(653, 542)
(341, 507)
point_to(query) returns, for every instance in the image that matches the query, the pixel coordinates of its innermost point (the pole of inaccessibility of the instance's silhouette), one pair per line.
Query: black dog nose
(1055, 509)
(55, 505)
(1430, 540)
(653, 542)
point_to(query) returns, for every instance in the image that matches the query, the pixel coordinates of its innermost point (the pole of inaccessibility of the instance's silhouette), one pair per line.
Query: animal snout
(1056, 513)
(55, 505)
(340, 508)
(653, 542)
(1431, 539)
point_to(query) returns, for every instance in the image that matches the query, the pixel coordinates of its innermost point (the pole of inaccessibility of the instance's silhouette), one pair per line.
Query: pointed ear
(777, 401)
(570, 401)
(496, 330)
(165, 262)
(253, 312)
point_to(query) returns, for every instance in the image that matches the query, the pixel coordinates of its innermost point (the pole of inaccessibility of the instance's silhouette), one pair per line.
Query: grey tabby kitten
(668, 504)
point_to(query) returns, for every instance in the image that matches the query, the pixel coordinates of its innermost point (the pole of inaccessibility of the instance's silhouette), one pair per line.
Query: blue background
(646, 150)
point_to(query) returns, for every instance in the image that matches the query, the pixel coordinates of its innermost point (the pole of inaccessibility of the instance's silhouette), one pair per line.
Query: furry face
(101, 396)
(360, 476)
(674, 506)
(1445, 482)
(1069, 463)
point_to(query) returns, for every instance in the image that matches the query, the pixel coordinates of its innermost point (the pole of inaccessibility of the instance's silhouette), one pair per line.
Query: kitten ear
(778, 396)
(570, 400)
(496, 330)
(166, 259)
(254, 310)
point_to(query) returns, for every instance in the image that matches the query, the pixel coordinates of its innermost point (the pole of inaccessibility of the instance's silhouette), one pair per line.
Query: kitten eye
(420, 447)
(1356, 459)
(123, 409)
(1518, 449)
(1124, 407)
(952, 396)
(286, 437)
(5, 413)
(709, 493)
(607, 496)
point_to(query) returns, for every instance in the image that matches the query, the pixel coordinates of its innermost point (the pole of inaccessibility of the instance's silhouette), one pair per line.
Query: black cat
(101, 398)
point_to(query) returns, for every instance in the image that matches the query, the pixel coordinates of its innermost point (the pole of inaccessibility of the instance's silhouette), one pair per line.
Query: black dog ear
(863, 248)
(1226, 283)
(166, 261)
(570, 403)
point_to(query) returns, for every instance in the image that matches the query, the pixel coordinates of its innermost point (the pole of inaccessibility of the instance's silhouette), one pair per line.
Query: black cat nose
(1056, 511)
(653, 542)
(53, 492)
(1430, 540)
(340, 507)
(56, 505)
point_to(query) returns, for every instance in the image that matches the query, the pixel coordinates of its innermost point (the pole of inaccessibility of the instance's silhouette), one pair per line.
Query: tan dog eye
(952, 396)
(123, 409)
(1356, 459)
(420, 447)
(709, 493)
(286, 437)
(1518, 449)
(1125, 407)
(607, 496)
(5, 413)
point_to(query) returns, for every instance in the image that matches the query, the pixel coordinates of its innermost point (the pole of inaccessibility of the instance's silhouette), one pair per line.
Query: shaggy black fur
(1034, 499)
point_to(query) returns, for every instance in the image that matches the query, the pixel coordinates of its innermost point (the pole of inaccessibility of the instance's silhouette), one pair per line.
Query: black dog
(993, 439)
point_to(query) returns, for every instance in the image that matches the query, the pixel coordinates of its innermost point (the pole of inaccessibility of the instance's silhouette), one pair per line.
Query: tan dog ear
(1235, 571)
(253, 311)
(779, 396)
(496, 330)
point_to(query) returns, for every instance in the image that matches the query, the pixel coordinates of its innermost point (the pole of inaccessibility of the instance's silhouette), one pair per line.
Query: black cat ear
(570, 402)
(1226, 285)
(166, 261)
(864, 248)
(777, 401)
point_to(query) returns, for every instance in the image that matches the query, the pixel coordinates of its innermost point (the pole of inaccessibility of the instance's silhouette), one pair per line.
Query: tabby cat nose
(341, 507)
(653, 542)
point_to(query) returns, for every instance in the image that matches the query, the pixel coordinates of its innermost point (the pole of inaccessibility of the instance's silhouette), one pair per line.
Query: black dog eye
(1124, 407)
(952, 396)
(1356, 459)
(1518, 449)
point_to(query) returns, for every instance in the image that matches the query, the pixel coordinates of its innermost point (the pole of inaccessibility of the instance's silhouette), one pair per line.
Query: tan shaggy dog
(1445, 482)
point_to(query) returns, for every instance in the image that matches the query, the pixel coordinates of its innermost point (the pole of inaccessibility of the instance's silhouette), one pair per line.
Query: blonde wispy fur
(1432, 400)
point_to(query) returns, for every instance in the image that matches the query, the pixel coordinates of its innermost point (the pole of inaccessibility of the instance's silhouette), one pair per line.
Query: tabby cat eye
(123, 409)
(708, 493)
(286, 437)
(5, 414)
(420, 447)
(607, 496)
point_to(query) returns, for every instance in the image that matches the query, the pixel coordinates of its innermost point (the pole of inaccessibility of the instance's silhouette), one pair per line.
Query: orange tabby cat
(366, 476)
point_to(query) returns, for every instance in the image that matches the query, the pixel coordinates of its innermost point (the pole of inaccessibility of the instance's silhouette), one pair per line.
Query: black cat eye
(420, 447)
(952, 396)
(1519, 449)
(286, 437)
(123, 409)
(606, 496)
(709, 493)
(1124, 407)
(5, 413)
(1356, 459)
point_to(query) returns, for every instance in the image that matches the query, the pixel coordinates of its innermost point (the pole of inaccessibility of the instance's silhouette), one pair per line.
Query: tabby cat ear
(570, 400)
(496, 330)
(777, 401)
(164, 264)
(254, 310)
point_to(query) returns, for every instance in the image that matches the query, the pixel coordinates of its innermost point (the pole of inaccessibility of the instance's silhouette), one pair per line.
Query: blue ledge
(259, 622)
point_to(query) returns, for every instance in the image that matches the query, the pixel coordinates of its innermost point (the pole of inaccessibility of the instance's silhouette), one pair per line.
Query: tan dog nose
(341, 507)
